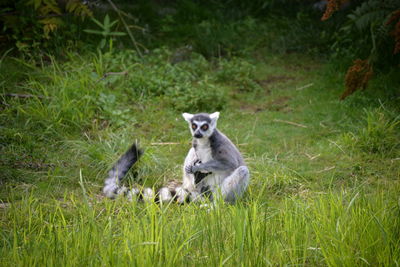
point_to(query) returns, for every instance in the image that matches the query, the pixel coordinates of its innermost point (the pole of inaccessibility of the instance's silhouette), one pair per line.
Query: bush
(216, 36)
(33, 25)
(112, 112)
(237, 72)
(371, 36)
(199, 97)
(379, 136)
(185, 85)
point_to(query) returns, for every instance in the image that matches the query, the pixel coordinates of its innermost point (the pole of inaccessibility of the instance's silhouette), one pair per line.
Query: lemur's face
(201, 125)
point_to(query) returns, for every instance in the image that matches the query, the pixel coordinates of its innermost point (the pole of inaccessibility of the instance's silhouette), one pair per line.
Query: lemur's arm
(210, 166)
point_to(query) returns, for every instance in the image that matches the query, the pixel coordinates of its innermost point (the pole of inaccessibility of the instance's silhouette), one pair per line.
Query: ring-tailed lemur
(213, 167)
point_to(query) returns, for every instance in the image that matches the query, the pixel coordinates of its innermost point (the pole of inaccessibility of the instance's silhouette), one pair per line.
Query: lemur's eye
(194, 126)
(204, 127)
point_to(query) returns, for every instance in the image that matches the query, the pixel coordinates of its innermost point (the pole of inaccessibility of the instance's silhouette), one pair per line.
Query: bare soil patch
(278, 104)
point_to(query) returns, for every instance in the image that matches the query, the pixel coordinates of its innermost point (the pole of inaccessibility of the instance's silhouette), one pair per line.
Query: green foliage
(78, 8)
(365, 34)
(32, 24)
(106, 31)
(310, 202)
(197, 97)
(155, 78)
(185, 88)
(112, 112)
(186, 85)
(214, 37)
(379, 136)
(197, 65)
(370, 12)
(237, 72)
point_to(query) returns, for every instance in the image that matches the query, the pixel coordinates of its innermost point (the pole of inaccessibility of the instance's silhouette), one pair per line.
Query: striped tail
(117, 173)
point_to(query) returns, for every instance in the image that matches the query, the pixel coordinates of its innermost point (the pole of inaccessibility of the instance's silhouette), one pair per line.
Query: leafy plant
(31, 24)
(197, 97)
(367, 36)
(111, 111)
(379, 136)
(105, 31)
(238, 72)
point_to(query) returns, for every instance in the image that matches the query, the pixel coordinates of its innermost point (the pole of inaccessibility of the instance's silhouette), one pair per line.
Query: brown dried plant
(331, 7)
(397, 38)
(357, 77)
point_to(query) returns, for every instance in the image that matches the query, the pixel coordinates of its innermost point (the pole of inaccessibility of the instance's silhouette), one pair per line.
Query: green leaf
(37, 3)
(113, 23)
(50, 2)
(102, 43)
(107, 21)
(352, 16)
(98, 23)
(93, 31)
(71, 6)
(117, 33)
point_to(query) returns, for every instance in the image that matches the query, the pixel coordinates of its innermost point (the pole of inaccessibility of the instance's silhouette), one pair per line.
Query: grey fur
(214, 155)
(226, 157)
(201, 117)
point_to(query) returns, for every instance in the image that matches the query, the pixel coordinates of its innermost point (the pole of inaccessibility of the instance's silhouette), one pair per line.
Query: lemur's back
(220, 149)
(223, 149)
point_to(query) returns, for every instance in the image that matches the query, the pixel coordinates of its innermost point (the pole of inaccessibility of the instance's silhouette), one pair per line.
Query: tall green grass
(337, 229)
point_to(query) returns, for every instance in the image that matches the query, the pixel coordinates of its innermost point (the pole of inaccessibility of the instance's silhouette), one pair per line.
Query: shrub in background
(371, 34)
(197, 97)
(380, 135)
(237, 72)
(32, 24)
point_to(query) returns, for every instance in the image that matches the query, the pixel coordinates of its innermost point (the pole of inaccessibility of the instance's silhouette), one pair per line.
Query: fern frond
(370, 12)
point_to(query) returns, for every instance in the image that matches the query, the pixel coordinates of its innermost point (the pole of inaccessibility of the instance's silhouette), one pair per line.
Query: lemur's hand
(190, 169)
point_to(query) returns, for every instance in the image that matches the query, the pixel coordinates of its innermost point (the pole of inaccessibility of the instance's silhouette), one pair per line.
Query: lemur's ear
(214, 116)
(187, 116)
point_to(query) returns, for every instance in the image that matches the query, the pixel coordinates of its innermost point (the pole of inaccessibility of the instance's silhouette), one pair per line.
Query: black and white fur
(213, 168)
(228, 176)
(112, 185)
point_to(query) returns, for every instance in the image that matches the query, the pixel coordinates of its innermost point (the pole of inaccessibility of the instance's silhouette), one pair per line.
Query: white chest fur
(204, 154)
(203, 151)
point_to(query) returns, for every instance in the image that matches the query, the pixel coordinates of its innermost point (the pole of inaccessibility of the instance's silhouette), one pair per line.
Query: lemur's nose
(198, 135)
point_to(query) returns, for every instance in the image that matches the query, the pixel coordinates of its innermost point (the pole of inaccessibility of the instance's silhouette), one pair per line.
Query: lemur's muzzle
(198, 135)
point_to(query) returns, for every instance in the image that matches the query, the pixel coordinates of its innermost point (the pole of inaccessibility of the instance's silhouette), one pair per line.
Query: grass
(323, 191)
(326, 229)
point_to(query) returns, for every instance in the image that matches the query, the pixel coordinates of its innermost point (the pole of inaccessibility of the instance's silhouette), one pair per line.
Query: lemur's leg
(234, 185)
